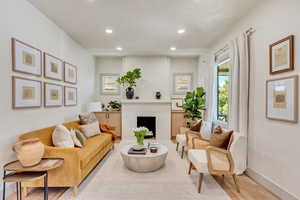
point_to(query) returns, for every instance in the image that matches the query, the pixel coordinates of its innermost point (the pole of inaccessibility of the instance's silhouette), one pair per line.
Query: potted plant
(140, 134)
(129, 80)
(114, 105)
(194, 104)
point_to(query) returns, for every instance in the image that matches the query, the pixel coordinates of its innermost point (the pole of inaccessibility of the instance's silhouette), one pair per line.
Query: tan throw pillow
(61, 137)
(197, 126)
(80, 136)
(220, 138)
(90, 130)
(77, 143)
(87, 119)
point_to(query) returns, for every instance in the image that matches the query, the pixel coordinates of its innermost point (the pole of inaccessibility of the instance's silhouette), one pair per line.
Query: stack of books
(143, 151)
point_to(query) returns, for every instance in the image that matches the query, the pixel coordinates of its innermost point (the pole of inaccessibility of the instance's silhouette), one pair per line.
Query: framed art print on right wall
(282, 99)
(282, 55)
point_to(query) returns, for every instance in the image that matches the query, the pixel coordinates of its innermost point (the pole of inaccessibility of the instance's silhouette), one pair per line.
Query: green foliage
(223, 102)
(130, 78)
(194, 103)
(115, 105)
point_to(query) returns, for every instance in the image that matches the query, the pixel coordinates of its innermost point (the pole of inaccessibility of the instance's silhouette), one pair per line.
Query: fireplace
(148, 122)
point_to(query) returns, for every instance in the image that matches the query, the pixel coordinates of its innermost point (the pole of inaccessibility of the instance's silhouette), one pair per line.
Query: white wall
(20, 19)
(157, 74)
(273, 147)
(110, 65)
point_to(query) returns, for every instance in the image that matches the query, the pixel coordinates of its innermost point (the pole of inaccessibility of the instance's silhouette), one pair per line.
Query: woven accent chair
(214, 161)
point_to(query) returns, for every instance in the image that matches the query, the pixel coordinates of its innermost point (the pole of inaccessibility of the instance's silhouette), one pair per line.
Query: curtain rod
(225, 48)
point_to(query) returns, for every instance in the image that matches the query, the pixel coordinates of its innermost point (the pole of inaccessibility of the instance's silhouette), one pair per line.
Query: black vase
(158, 95)
(129, 93)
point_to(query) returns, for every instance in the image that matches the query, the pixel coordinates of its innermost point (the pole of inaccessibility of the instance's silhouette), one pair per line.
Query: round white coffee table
(144, 163)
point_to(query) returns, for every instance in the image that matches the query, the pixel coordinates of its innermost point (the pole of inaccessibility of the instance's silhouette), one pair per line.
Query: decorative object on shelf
(29, 152)
(70, 96)
(94, 107)
(158, 95)
(194, 104)
(282, 55)
(53, 67)
(109, 84)
(70, 73)
(182, 83)
(114, 106)
(53, 95)
(177, 103)
(26, 93)
(26, 58)
(140, 134)
(137, 97)
(129, 80)
(282, 99)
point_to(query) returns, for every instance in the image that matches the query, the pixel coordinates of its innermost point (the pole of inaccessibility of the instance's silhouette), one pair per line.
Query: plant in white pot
(129, 80)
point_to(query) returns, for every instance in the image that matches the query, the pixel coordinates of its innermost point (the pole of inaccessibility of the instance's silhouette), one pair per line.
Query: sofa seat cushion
(199, 160)
(93, 146)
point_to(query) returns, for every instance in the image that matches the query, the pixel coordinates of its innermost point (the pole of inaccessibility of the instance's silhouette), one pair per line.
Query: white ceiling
(145, 25)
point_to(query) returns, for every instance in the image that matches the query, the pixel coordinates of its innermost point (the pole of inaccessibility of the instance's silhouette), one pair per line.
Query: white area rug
(111, 180)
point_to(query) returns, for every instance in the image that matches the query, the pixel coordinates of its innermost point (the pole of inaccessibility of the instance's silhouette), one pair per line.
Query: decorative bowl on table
(138, 147)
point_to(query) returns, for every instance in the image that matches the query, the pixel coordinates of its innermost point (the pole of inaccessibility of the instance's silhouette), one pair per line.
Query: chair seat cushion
(93, 146)
(181, 139)
(199, 160)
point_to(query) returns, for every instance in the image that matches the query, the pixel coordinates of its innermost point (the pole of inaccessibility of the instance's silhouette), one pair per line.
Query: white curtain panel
(239, 98)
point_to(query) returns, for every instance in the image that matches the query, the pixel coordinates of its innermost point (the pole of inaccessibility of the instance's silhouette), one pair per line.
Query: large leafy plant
(129, 79)
(194, 104)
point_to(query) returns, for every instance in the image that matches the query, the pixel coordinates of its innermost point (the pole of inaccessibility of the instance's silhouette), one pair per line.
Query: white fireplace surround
(131, 109)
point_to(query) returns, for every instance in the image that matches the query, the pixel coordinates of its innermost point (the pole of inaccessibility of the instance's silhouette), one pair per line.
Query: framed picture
(182, 83)
(70, 73)
(26, 93)
(109, 85)
(26, 58)
(53, 95)
(282, 99)
(70, 96)
(282, 55)
(53, 67)
(176, 103)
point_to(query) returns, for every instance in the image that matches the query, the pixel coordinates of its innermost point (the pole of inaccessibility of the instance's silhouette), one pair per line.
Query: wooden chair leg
(200, 182)
(182, 152)
(177, 146)
(75, 191)
(236, 182)
(190, 168)
(24, 191)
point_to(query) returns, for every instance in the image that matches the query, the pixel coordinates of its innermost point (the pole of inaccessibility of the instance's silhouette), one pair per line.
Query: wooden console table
(21, 174)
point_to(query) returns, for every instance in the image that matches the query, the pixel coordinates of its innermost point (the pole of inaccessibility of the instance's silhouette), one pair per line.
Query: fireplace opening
(148, 122)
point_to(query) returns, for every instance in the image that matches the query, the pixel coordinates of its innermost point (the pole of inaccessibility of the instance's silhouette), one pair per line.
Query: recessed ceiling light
(108, 31)
(181, 31)
(173, 48)
(119, 48)
(91, 1)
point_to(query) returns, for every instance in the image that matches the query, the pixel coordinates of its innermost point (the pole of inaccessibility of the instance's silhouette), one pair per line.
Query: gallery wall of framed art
(282, 92)
(32, 93)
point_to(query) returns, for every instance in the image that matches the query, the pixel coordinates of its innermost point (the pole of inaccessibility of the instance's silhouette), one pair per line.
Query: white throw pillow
(75, 139)
(90, 130)
(205, 130)
(61, 137)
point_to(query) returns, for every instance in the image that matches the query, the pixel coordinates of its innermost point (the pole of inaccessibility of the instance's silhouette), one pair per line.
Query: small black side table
(21, 174)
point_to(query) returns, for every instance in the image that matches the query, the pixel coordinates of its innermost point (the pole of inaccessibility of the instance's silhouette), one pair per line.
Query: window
(223, 90)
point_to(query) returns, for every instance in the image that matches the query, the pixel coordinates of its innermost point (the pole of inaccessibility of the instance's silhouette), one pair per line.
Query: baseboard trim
(270, 185)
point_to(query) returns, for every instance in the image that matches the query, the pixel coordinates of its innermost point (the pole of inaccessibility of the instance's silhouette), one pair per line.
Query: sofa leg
(75, 191)
(24, 192)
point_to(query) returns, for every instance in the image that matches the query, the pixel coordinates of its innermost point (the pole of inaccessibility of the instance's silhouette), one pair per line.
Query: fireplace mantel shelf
(142, 101)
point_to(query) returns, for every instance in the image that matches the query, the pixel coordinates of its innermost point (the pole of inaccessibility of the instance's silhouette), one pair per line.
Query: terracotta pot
(29, 152)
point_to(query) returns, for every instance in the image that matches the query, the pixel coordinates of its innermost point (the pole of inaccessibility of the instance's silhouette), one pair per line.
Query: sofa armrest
(70, 171)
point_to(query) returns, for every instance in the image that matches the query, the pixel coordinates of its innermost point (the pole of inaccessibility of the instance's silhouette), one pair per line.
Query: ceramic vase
(29, 152)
